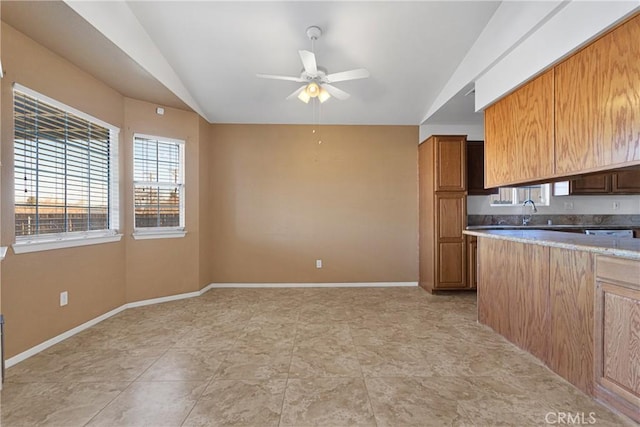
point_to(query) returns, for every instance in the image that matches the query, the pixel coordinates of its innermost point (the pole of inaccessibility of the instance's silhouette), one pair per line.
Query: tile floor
(292, 357)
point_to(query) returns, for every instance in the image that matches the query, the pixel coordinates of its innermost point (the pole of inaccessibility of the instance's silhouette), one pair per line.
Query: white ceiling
(215, 48)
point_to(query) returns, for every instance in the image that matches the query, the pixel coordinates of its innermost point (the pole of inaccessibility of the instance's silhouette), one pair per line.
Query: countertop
(605, 245)
(552, 227)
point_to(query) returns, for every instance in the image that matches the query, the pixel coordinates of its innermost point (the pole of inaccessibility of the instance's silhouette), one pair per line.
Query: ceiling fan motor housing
(314, 32)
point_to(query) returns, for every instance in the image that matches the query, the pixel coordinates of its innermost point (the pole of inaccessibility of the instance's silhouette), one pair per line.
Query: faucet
(526, 219)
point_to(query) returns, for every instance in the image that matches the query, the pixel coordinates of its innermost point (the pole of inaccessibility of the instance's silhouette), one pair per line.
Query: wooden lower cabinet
(443, 249)
(617, 334)
(571, 287)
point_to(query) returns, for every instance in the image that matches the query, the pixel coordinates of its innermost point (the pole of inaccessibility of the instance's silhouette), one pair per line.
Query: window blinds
(158, 170)
(61, 168)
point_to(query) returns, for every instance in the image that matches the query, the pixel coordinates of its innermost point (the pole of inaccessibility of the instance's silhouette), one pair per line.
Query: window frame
(166, 232)
(41, 242)
(544, 188)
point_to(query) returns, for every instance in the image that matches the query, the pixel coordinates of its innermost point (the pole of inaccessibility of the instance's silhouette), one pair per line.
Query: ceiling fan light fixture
(323, 95)
(312, 89)
(304, 96)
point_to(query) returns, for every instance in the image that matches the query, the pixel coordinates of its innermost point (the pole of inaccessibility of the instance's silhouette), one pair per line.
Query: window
(158, 169)
(65, 171)
(510, 196)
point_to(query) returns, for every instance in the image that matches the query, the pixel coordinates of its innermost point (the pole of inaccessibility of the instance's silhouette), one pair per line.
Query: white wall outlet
(64, 298)
(318, 263)
(616, 205)
(568, 206)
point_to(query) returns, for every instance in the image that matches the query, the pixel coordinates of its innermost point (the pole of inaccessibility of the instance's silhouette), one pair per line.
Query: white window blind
(158, 169)
(63, 169)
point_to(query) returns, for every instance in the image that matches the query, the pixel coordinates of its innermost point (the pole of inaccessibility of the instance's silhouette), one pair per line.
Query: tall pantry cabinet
(442, 213)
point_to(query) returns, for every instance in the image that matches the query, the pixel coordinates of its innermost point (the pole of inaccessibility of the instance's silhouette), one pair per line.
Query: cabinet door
(617, 333)
(519, 134)
(598, 103)
(451, 259)
(620, 97)
(475, 170)
(579, 130)
(626, 181)
(499, 134)
(533, 154)
(571, 289)
(594, 184)
(451, 265)
(451, 163)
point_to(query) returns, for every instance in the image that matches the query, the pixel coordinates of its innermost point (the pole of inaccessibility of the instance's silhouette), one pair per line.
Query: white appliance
(610, 233)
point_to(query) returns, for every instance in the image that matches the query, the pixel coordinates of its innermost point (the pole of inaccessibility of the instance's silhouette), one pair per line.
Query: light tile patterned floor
(292, 357)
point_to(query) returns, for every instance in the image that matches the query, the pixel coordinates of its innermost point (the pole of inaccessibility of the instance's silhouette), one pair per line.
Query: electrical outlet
(64, 298)
(568, 206)
(318, 263)
(616, 205)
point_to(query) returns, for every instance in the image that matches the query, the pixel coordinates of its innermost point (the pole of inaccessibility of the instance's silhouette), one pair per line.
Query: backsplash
(541, 219)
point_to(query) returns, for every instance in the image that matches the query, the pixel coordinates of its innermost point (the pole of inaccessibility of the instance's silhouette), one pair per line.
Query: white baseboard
(63, 336)
(312, 285)
(164, 299)
(71, 332)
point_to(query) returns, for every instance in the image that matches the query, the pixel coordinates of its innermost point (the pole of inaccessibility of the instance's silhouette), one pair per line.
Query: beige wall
(262, 204)
(31, 283)
(161, 267)
(280, 201)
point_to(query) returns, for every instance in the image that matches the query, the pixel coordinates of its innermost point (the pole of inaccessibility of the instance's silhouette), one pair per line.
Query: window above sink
(515, 196)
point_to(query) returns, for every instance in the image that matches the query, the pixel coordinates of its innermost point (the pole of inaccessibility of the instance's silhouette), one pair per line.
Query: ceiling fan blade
(274, 77)
(296, 92)
(309, 62)
(335, 92)
(360, 73)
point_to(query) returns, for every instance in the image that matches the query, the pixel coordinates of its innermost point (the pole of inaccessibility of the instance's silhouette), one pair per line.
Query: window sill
(159, 234)
(37, 245)
(3, 252)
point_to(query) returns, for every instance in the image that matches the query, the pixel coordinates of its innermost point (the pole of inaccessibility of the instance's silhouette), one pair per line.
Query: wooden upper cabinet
(534, 148)
(579, 133)
(626, 181)
(451, 160)
(621, 92)
(619, 181)
(475, 170)
(598, 103)
(581, 116)
(519, 134)
(499, 134)
(593, 184)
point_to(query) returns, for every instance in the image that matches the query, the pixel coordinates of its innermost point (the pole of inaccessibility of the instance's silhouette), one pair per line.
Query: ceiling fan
(317, 83)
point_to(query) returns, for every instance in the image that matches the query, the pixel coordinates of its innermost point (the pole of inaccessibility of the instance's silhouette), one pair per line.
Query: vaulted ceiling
(204, 55)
